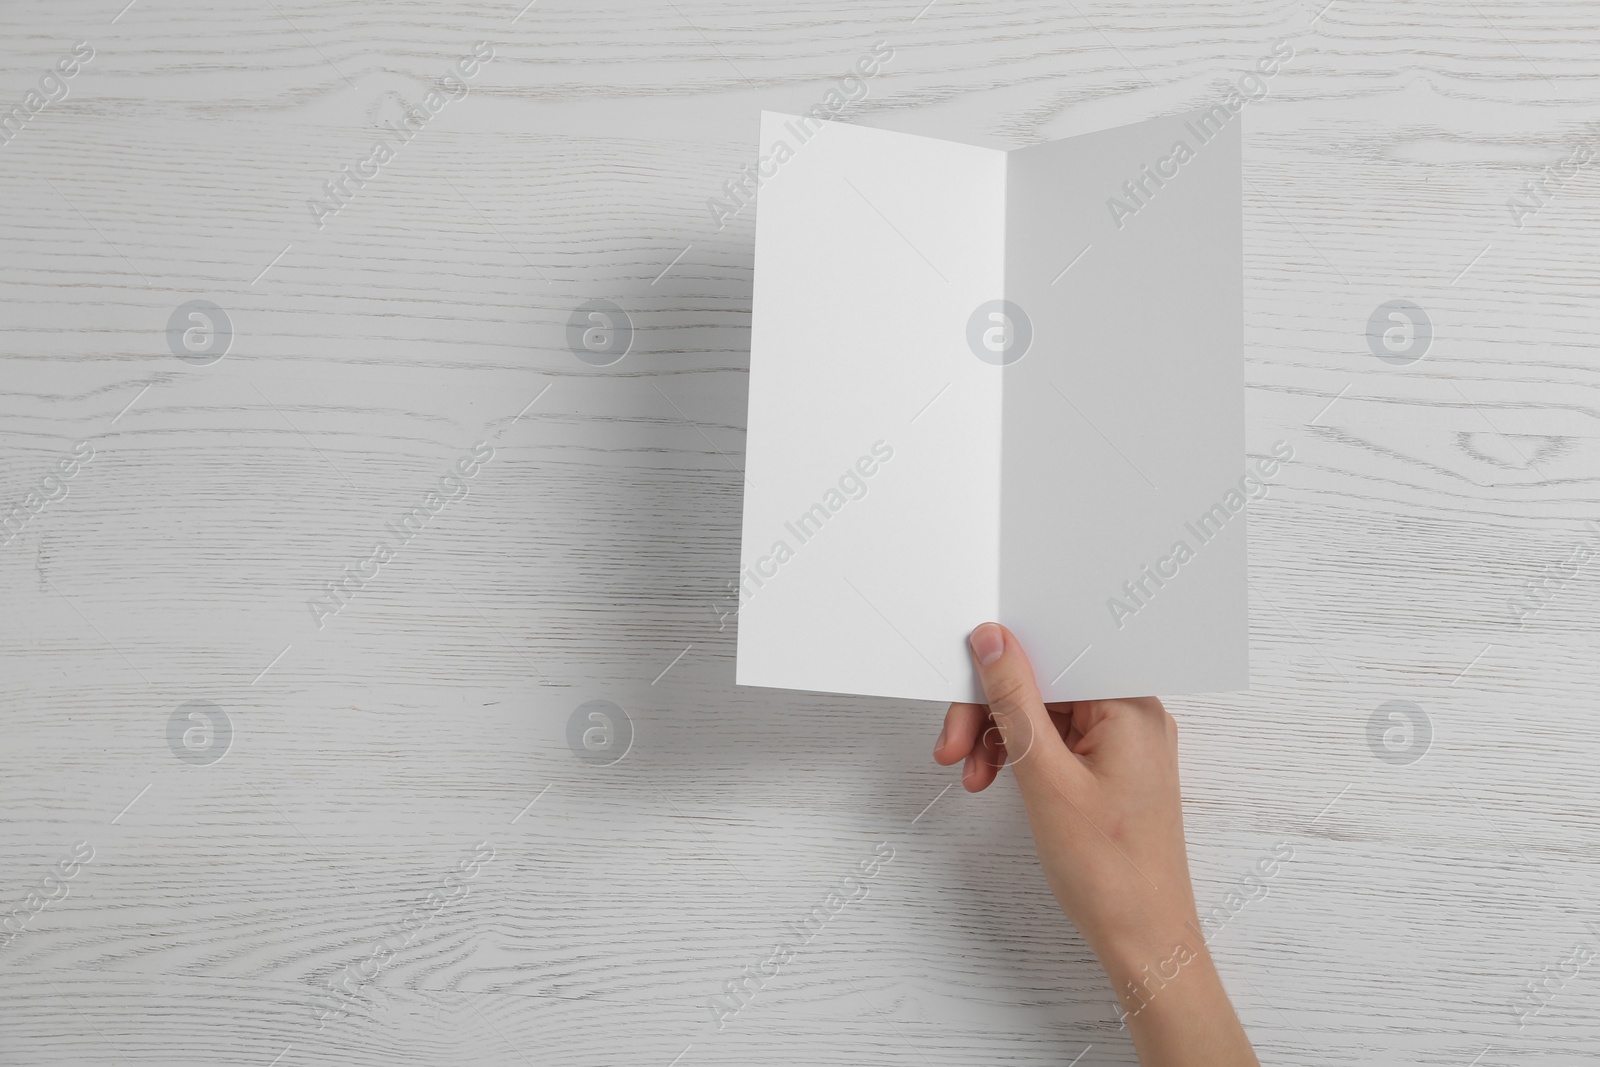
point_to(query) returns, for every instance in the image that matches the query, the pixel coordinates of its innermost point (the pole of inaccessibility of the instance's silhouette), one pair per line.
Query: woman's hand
(1100, 781)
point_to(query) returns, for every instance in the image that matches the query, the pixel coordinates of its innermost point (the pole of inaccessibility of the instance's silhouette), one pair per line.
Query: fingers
(983, 765)
(962, 724)
(1014, 724)
(970, 734)
(1028, 732)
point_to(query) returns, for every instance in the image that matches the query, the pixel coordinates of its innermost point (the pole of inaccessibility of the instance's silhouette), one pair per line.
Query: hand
(1100, 781)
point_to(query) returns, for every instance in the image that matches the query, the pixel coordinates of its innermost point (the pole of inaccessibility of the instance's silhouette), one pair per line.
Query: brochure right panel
(1122, 529)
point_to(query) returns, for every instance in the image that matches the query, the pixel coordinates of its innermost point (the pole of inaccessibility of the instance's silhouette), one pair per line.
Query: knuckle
(1007, 694)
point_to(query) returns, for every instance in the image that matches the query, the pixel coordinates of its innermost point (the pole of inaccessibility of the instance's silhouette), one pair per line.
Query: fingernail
(937, 745)
(988, 643)
(970, 767)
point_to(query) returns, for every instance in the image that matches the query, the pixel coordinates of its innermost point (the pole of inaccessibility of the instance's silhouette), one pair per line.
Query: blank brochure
(996, 386)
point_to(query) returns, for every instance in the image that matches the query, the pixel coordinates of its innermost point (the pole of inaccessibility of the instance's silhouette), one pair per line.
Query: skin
(1100, 781)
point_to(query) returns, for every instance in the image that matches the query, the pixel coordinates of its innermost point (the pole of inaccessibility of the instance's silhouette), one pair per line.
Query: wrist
(1143, 961)
(1171, 983)
(1176, 1009)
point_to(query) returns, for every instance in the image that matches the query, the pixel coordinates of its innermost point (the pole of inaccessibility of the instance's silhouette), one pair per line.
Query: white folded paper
(990, 385)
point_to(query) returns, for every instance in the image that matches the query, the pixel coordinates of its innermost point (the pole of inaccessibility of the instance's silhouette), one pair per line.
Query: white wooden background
(370, 757)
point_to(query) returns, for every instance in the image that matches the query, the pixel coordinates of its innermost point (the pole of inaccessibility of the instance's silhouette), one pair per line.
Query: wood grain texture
(370, 756)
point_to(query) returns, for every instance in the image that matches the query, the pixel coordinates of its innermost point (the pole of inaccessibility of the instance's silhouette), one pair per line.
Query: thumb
(1032, 741)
